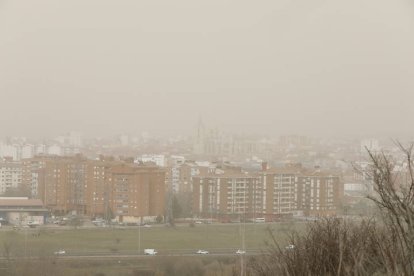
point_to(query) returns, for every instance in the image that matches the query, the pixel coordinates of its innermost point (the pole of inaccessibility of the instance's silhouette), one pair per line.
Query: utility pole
(169, 212)
(139, 238)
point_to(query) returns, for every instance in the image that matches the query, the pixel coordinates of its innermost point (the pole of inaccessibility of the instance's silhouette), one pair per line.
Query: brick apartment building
(58, 181)
(270, 194)
(136, 191)
(105, 188)
(227, 196)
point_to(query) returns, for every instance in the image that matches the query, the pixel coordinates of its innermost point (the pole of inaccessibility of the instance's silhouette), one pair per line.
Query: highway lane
(134, 255)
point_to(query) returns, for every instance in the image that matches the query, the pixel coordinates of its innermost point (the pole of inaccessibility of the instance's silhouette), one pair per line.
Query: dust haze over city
(177, 137)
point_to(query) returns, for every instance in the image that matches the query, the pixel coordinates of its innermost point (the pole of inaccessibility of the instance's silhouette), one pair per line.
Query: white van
(150, 252)
(259, 220)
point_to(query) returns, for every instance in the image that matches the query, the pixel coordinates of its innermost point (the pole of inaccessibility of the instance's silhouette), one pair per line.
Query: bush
(336, 247)
(187, 267)
(330, 247)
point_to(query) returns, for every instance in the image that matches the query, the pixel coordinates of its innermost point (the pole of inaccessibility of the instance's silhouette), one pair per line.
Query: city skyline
(259, 72)
(218, 137)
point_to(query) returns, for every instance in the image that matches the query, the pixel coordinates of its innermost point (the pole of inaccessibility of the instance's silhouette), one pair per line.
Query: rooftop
(20, 201)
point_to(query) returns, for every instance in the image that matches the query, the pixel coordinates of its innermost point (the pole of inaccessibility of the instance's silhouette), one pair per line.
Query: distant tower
(198, 146)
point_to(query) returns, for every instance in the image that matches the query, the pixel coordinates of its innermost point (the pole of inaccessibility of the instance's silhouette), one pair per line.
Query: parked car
(290, 247)
(32, 224)
(60, 252)
(240, 252)
(204, 252)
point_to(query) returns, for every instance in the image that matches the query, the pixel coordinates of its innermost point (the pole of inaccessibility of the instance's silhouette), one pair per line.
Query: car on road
(240, 252)
(60, 252)
(203, 252)
(149, 251)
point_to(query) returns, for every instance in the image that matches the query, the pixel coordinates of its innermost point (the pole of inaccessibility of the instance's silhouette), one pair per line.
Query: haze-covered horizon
(320, 68)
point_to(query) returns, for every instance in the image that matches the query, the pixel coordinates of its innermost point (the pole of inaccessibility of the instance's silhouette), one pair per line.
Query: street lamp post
(139, 238)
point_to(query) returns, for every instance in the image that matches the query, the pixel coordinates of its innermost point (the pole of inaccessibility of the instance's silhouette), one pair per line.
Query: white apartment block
(158, 159)
(12, 151)
(27, 151)
(10, 176)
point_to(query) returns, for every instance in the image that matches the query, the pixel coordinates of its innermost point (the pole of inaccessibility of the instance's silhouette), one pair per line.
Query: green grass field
(40, 243)
(164, 239)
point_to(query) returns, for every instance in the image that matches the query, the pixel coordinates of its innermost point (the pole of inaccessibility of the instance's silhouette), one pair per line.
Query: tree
(394, 196)
(185, 201)
(159, 219)
(75, 222)
(329, 246)
(176, 207)
(381, 245)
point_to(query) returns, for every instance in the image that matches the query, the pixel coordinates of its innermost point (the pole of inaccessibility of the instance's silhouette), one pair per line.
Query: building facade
(10, 176)
(270, 194)
(97, 188)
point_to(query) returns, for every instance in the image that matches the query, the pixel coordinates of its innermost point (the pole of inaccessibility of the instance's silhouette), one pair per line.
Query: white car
(204, 252)
(60, 252)
(290, 247)
(240, 252)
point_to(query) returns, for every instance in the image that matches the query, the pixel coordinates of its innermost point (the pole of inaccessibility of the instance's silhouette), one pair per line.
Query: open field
(160, 266)
(114, 250)
(185, 239)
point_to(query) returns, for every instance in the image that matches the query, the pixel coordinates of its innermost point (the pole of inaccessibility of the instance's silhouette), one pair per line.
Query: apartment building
(31, 173)
(227, 195)
(97, 189)
(270, 194)
(104, 188)
(58, 181)
(136, 192)
(10, 175)
(280, 188)
(319, 193)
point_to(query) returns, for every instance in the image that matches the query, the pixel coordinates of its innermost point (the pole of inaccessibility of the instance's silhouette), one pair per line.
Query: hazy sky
(321, 67)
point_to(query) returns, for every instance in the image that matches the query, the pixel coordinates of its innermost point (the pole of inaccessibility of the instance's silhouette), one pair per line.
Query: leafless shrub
(394, 196)
(330, 247)
(371, 247)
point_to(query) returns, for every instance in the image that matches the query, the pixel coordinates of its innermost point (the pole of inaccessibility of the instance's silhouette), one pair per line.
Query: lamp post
(139, 238)
(139, 234)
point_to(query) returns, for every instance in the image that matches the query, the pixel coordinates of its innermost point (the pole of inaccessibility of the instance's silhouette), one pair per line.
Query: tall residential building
(319, 194)
(31, 172)
(270, 194)
(280, 191)
(10, 150)
(295, 189)
(105, 188)
(10, 176)
(27, 151)
(98, 188)
(227, 195)
(137, 192)
(61, 183)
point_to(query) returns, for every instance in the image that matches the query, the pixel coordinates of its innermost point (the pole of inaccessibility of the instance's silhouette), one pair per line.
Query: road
(129, 255)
